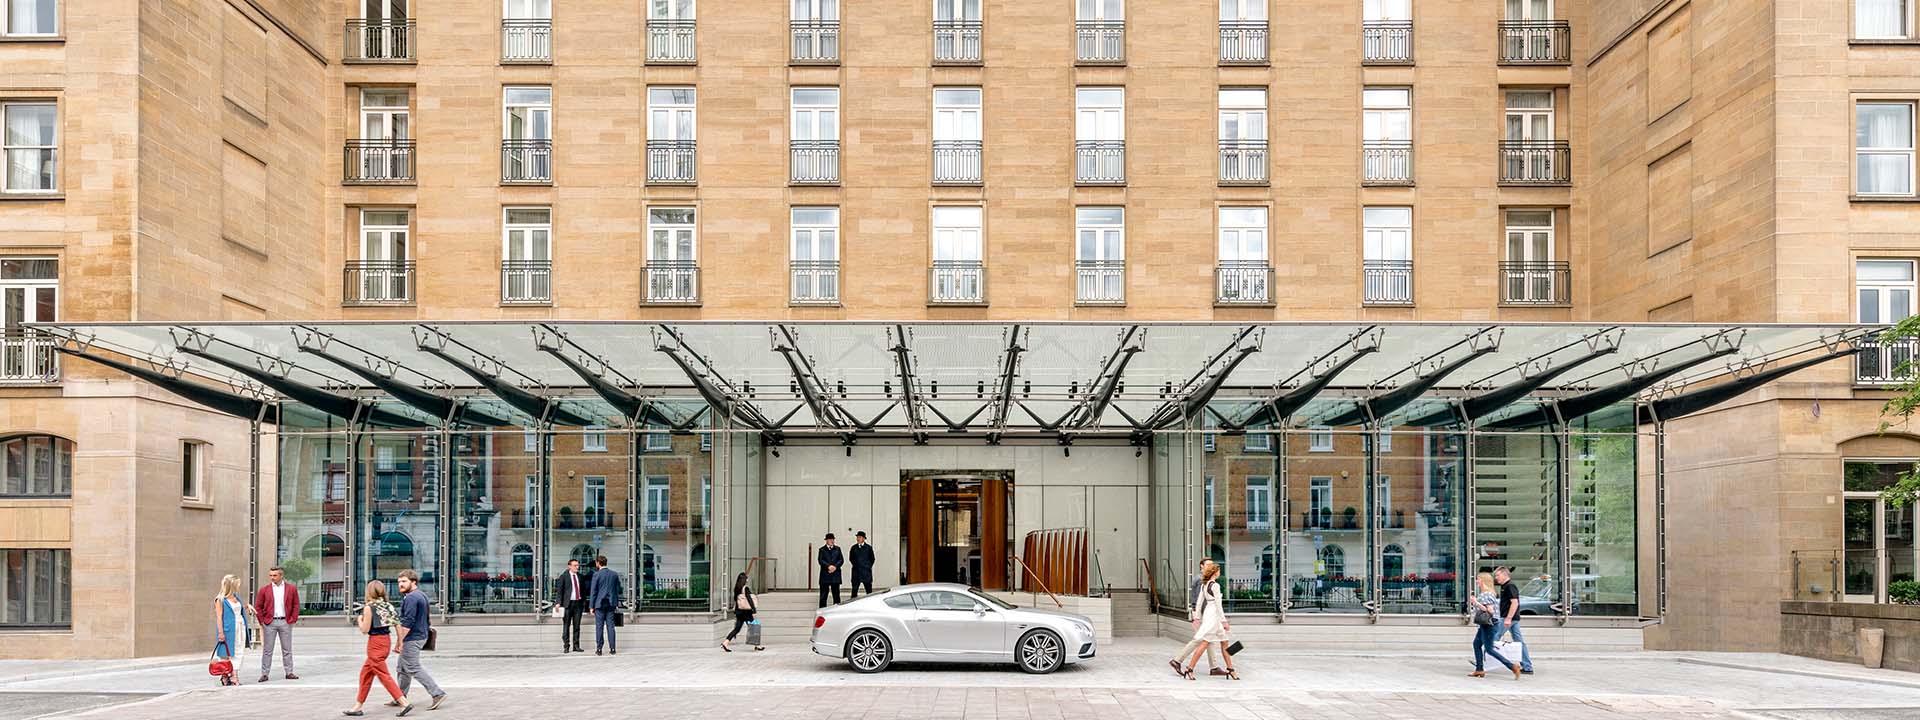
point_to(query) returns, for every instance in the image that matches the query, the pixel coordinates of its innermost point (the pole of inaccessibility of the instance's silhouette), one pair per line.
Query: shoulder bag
(219, 666)
(433, 639)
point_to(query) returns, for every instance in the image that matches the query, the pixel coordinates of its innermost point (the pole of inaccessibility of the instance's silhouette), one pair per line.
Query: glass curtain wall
(1603, 552)
(1515, 499)
(1327, 535)
(398, 510)
(311, 542)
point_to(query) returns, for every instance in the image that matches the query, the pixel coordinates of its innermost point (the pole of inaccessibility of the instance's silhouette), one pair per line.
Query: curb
(1894, 682)
(127, 666)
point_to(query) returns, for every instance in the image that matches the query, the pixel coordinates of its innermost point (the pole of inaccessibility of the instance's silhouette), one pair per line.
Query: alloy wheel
(868, 652)
(1040, 652)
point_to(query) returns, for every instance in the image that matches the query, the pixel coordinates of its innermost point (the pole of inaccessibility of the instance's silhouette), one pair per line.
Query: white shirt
(279, 601)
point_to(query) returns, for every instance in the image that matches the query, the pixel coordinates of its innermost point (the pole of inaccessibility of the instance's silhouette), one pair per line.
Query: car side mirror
(979, 609)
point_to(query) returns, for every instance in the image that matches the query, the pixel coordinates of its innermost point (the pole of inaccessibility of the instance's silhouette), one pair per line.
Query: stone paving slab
(39, 704)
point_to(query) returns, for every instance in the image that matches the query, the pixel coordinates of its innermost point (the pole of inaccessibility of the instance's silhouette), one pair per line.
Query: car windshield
(996, 602)
(1537, 588)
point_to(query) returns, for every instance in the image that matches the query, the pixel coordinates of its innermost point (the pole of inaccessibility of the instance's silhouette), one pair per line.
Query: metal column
(636, 553)
(543, 443)
(1563, 522)
(1369, 443)
(253, 505)
(450, 493)
(1282, 585)
(350, 524)
(1469, 515)
(722, 539)
(1660, 514)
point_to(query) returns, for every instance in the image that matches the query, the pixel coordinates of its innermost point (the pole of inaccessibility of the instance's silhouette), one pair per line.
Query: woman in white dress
(1213, 623)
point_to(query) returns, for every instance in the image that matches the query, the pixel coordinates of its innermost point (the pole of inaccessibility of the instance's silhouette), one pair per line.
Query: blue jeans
(1513, 628)
(1483, 646)
(603, 628)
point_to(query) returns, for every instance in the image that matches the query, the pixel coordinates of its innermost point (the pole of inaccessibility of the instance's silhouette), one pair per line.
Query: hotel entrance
(956, 526)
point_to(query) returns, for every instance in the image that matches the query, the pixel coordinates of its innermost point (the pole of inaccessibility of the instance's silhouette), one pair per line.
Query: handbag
(1482, 618)
(1235, 647)
(753, 632)
(619, 619)
(740, 603)
(433, 638)
(219, 667)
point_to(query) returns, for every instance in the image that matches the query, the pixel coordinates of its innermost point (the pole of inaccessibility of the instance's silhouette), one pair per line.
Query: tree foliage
(1900, 409)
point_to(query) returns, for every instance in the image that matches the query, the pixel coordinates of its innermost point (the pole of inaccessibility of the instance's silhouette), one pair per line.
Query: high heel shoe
(1233, 674)
(1187, 672)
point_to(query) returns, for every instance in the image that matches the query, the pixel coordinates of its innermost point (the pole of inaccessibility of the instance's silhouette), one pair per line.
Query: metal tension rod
(634, 409)
(1104, 386)
(349, 409)
(1009, 369)
(433, 341)
(380, 373)
(1535, 374)
(1384, 404)
(1685, 404)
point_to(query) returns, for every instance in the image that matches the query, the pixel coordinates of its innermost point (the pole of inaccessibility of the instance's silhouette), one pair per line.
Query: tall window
(385, 145)
(1530, 115)
(956, 135)
(1387, 31)
(1883, 19)
(1101, 25)
(815, 138)
(659, 442)
(1100, 254)
(672, 263)
(1259, 502)
(1244, 274)
(1386, 127)
(593, 500)
(36, 466)
(36, 588)
(526, 268)
(816, 254)
(816, 30)
(193, 471)
(29, 293)
(1100, 135)
(1243, 31)
(1529, 9)
(1383, 497)
(659, 503)
(31, 142)
(1885, 291)
(385, 268)
(1320, 501)
(526, 31)
(958, 273)
(1243, 135)
(1531, 275)
(670, 30)
(956, 31)
(1259, 442)
(1884, 148)
(1206, 499)
(1387, 247)
(670, 134)
(29, 18)
(526, 143)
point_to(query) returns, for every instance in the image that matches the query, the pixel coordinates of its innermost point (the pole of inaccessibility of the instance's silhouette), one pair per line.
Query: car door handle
(923, 619)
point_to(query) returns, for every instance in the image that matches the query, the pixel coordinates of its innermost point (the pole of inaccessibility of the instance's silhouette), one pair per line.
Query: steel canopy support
(1372, 409)
(1684, 404)
(1207, 382)
(1101, 391)
(447, 409)
(212, 398)
(812, 391)
(1282, 408)
(720, 397)
(345, 408)
(1486, 403)
(1573, 408)
(543, 410)
(1009, 368)
(634, 409)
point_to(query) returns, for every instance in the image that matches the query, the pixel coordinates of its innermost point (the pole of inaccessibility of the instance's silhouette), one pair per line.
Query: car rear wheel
(1040, 652)
(869, 652)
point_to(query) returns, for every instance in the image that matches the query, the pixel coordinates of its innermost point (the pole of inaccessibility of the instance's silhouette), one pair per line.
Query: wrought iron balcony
(1536, 282)
(1531, 162)
(1386, 42)
(1387, 282)
(956, 162)
(816, 41)
(1243, 162)
(526, 41)
(1886, 363)
(378, 161)
(815, 282)
(1243, 42)
(1386, 162)
(1101, 41)
(1100, 162)
(27, 358)
(526, 161)
(378, 282)
(379, 41)
(1100, 282)
(956, 41)
(526, 282)
(815, 162)
(1535, 42)
(670, 161)
(959, 282)
(672, 282)
(1243, 282)
(670, 41)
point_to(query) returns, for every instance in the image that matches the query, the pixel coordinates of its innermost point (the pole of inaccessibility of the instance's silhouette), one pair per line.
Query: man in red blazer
(277, 604)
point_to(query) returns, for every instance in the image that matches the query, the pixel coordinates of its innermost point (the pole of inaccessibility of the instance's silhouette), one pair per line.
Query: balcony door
(29, 293)
(385, 11)
(816, 10)
(1530, 10)
(385, 247)
(1530, 116)
(528, 239)
(384, 129)
(1530, 250)
(1101, 115)
(671, 258)
(956, 10)
(1387, 253)
(1885, 292)
(816, 253)
(816, 114)
(1386, 10)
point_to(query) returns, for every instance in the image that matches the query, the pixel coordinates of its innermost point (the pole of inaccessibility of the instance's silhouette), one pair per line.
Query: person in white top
(1213, 626)
(277, 604)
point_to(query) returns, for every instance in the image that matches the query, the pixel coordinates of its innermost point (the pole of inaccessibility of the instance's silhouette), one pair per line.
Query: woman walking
(377, 620)
(1213, 625)
(230, 630)
(743, 610)
(1486, 607)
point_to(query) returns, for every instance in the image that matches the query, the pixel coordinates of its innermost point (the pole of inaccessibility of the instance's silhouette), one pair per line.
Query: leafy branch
(1900, 410)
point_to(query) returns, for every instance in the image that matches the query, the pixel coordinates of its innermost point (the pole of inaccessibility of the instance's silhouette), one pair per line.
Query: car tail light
(819, 621)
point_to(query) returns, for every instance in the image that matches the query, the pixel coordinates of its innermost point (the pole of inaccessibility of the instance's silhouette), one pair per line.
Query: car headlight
(1084, 628)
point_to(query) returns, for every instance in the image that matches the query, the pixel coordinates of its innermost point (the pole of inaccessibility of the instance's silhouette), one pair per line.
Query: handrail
(1153, 593)
(1036, 578)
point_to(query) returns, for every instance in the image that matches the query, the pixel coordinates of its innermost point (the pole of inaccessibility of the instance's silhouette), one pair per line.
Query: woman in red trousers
(377, 619)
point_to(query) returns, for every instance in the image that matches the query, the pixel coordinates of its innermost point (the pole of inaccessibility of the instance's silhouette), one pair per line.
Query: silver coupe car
(942, 622)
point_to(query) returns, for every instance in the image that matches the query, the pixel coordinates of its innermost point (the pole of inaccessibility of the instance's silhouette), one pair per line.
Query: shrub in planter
(1347, 518)
(1904, 592)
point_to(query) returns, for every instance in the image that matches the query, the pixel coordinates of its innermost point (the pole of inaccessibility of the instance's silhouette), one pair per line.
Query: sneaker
(437, 702)
(263, 678)
(1526, 671)
(1216, 671)
(291, 676)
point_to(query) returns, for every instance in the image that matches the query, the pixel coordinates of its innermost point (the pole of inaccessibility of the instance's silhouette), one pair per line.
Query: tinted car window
(943, 600)
(904, 602)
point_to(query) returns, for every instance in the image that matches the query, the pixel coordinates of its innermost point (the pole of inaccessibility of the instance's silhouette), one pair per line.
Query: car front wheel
(869, 652)
(1040, 652)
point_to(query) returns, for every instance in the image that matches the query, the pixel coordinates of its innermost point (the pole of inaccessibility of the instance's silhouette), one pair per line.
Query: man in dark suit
(830, 561)
(861, 555)
(604, 598)
(570, 592)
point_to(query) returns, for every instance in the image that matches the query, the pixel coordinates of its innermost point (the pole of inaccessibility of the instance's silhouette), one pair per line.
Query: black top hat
(860, 534)
(829, 536)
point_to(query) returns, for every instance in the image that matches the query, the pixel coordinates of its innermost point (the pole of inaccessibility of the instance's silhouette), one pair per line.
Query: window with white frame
(1320, 501)
(706, 500)
(659, 442)
(1243, 135)
(594, 439)
(814, 141)
(29, 141)
(956, 135)
(1386, 134)
(815, 236)
(1100, 254)
(1883, 19)
(1259, 502)
(1243, 234)
(1320, 439)
(670, 30)
(1884, 148)
(384, 272)
(530, 502)
(29, 293)
(593, 500)
(1885, 291)
(672, 259)
(30, 18)
(193, 471)
(1529, 115)
(526, 265)
(1259, 442)
(1383, 496)
(1387, 254)
(1100, 134)
(958, 273)
(659, 500)
(530, 439)
(1384, 441)
(526, 141)
(671, 133)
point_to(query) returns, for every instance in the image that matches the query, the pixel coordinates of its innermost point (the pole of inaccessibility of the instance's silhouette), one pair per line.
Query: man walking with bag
(416, 629)
(277, 605)
(1510, 616)
(1193, 616)
(606, 606)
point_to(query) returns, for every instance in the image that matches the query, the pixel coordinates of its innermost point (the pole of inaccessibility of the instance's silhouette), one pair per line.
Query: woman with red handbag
(230, 630)
(377, 620)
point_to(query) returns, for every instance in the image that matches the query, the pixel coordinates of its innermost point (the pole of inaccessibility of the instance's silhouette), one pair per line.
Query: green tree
(1899, 411)
(297, 569)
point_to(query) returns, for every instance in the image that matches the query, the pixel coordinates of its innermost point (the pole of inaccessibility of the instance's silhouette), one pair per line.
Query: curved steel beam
(1279, 408)
(433, 404)
(1382, 405)
(542, 409)
(1688, 403)
(346, 408)
(239, 406)
(632, 407)
(1485, 403)
(1570, 409)
(720, 400)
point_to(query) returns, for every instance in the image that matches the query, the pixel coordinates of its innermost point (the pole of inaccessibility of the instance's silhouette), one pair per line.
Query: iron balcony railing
(526, 161)
(1101, 41)
(1100, 162)
(956, 41)
(1243, 42)
(378, 282)
(672, 281)
(1248, 282)
(816, 41)
(1243, 162)
(1535, 162)
(526, 282)
(956, 162)
(670, 41)
(27, 358)
(526, 41)
(379, 41)
(957, 281)
(1535, 42)
(1386, 42)
(378, 161)
(670, 161)
(815, 162)
(1886, 362)
(1387, 282)
(1536, 282)
(1100, 282)
(815, 282)
(1387, 162)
